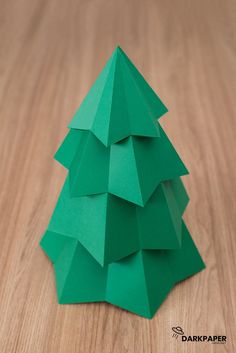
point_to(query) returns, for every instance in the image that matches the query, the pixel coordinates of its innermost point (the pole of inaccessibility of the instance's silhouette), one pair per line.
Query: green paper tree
(117, 233)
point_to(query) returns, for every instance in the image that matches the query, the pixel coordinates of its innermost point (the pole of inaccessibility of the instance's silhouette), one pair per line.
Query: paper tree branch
(119, 104)
(130, 169)
(111, 228)
(138, 283)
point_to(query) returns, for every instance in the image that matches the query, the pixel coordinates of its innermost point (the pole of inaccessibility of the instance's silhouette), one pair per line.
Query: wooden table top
(50, 53)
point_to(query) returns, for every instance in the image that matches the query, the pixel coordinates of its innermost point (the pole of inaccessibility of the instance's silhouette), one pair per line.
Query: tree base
(138, 283)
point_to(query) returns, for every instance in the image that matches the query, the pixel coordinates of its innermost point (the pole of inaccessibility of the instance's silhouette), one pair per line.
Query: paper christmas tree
(117, 233)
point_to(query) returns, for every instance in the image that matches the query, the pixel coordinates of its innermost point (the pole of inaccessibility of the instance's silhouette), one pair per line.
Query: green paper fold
(119, 104)
(138, 283)
(98, 221)
(130, 169)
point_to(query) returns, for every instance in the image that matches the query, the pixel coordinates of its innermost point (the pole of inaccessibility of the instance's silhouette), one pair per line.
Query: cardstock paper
(138, 283)
(119, 104)
(117, 233)
(98, 221)
(130, 169)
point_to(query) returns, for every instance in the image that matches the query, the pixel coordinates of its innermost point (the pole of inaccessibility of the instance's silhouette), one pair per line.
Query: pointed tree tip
(119, 50)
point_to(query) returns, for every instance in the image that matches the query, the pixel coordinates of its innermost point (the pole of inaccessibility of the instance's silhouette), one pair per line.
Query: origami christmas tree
(117, 233)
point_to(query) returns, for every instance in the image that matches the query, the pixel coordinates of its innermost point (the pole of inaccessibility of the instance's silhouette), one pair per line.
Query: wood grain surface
(50, 53)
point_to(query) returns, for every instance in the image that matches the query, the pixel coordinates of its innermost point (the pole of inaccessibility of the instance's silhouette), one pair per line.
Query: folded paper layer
(138, 283)
(98, 221)
(119, 104)
(130, 169)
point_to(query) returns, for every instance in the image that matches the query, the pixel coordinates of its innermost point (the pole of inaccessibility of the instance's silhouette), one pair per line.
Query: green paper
(117, 233)
(119, 104)
(98, 222)
(130, 169)
(138, 283)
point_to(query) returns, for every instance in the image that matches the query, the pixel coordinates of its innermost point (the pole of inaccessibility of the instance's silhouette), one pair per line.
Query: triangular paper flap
(156, 108)
(85, 156)
(98, 223)
(89, 171)
(78, 276)
(179, 193)
(123, 166)
(174, 209)
(53, 244)
(119, 104)
(120, 240)
(130, 169)
(86, 114)
(141, 119)
(126, 285)
(186, 261)
(158, 278)
(159, 222)
(73, 142)
(63, 265)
